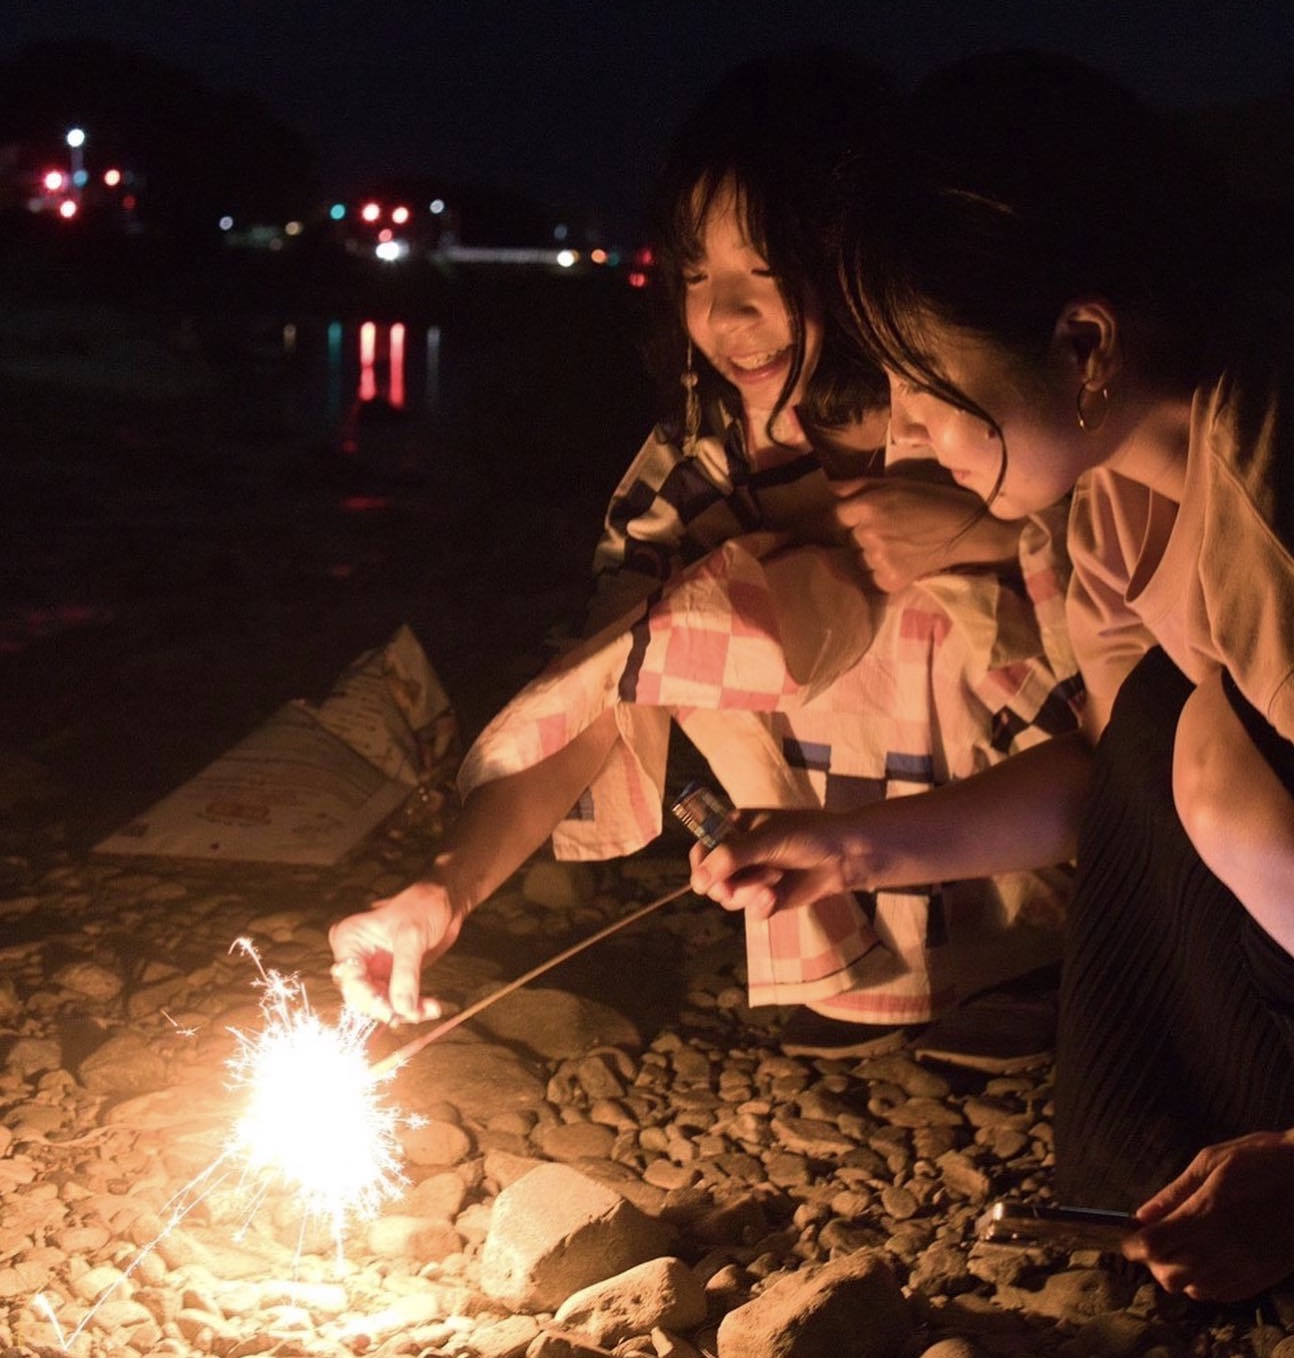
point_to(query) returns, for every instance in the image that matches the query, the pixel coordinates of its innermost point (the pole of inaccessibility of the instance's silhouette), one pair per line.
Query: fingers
(406, 982)
(378, 964)
(359, 990)
(753, 890)
(1178, 1191)
(1201, 1269)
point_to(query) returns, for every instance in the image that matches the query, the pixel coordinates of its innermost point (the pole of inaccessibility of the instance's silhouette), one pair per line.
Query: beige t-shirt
(1210, 580)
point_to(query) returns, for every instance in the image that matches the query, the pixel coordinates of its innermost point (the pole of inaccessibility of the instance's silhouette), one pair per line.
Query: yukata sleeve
(993, 687)
(620, 811)
(667, 512)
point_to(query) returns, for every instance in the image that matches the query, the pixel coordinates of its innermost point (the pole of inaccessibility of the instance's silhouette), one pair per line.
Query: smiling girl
(760, 391)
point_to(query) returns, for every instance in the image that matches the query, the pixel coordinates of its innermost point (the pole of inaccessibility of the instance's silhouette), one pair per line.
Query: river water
(207, 512)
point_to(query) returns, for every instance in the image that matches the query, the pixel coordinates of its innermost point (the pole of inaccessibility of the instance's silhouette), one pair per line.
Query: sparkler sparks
(315, 1122)
(316, 1118)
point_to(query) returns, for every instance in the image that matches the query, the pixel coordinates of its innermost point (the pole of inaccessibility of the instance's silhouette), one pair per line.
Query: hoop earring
(691, 405)
(1092, 416)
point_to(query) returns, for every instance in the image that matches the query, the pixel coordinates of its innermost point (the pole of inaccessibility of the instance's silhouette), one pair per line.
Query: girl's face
(1035, 414)
(735, 314)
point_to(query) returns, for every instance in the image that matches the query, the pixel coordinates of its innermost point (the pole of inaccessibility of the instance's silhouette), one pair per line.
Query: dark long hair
(774, 129)
(1022, 181)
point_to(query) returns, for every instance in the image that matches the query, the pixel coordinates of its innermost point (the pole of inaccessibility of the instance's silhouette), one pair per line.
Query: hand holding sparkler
(380, 954)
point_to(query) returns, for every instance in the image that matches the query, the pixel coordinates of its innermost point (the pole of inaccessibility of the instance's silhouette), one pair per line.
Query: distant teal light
(337, 212)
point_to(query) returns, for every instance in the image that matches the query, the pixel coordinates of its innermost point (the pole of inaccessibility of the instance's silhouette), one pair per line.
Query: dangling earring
(1092, 404)
(691, 405)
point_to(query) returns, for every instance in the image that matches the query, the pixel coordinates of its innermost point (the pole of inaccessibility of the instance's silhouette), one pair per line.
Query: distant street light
(76, 144)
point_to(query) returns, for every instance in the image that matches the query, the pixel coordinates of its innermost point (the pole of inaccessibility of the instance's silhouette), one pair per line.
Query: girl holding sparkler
(728, 503)
(1037, 275)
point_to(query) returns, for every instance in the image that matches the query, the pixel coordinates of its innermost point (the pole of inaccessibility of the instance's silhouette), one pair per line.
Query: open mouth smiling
(757, 364)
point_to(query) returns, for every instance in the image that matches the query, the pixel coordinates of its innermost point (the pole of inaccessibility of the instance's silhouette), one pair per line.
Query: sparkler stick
(402, 1054)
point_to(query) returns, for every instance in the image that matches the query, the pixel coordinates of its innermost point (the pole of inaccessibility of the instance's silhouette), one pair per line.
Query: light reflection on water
(368, 390)
(344, 362)
(524, 396)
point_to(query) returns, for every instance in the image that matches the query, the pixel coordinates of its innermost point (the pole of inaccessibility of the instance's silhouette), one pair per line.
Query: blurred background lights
(436, 206)
(53, 181)
(76, 137)
(226, 223)
(565, 258)
(400, 215)
(370, 212)
(112, 178)
(337, 212)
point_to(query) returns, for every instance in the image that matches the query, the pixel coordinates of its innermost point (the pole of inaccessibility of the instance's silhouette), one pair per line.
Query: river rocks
(660, 1294)
(477, 1077)
(556, 1024)
(852, 1306)
(555, 1231)
(585, 1176)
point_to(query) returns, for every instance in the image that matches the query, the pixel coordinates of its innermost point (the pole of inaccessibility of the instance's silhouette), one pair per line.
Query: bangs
(681, 238)
(890, 321)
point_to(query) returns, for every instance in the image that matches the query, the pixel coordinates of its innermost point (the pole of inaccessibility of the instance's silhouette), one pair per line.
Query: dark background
(570, 102)
(184, 545)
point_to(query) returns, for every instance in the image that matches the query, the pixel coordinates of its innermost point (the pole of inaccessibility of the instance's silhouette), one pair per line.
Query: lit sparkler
(315, 1122)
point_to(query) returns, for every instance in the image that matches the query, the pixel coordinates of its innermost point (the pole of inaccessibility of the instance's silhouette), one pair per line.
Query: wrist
(444, 885)
(860, 864)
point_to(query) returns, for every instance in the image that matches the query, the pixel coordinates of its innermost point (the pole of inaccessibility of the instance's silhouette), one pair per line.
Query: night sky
(571, 101)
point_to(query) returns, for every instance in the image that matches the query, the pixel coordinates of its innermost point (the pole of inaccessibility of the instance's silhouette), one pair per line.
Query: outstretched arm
(1022, 813)
(380, 953)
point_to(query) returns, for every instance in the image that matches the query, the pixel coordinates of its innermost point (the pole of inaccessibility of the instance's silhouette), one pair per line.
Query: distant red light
(67, 209)
(112, 178)
(636, 279)
(370, 212)
(52, 180)
(400, 215)
(644, 257)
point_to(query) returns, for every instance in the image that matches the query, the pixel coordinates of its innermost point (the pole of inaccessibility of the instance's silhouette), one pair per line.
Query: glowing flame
(315, 1124)
(316, 1119)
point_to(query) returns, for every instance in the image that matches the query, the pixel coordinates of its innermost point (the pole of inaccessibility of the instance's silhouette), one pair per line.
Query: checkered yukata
(718, 606)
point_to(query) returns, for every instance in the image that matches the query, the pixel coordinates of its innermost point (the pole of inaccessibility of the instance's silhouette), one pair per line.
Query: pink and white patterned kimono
(715, 609)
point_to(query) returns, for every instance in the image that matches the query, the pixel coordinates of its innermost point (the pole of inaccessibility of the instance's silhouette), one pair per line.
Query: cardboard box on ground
(311, 782)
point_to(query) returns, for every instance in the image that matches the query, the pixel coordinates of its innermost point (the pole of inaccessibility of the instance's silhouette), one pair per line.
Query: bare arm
(1238, 813)
(1022, 813)
(381, 952)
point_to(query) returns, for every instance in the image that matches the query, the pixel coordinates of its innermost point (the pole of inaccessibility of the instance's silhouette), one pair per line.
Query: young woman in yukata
(963, 665)
(1037, 273)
